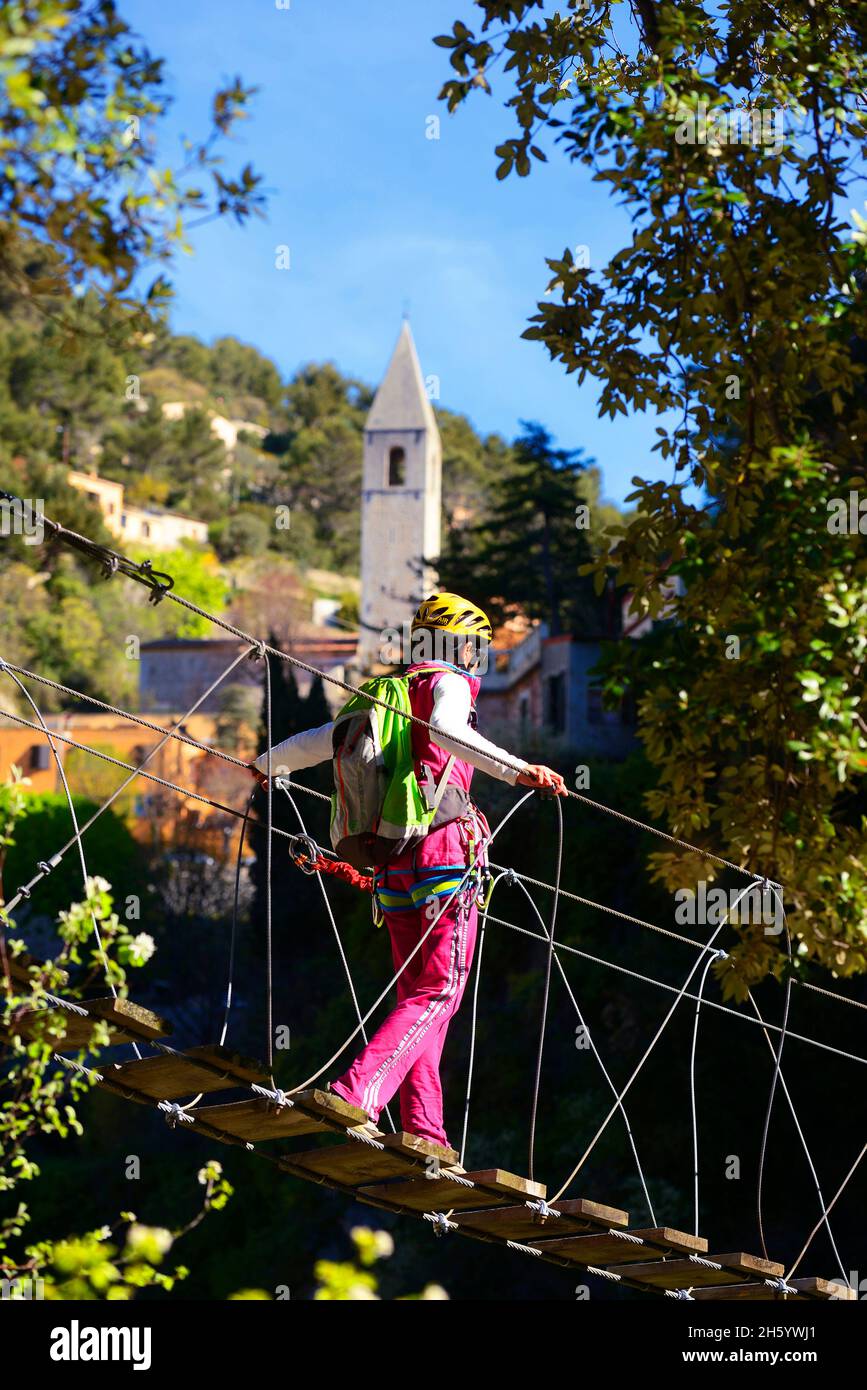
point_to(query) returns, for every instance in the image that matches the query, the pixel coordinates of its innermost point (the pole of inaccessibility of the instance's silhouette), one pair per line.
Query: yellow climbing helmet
(451, 613)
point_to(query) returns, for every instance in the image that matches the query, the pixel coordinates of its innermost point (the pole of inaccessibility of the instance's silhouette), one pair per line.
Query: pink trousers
(405, 1051)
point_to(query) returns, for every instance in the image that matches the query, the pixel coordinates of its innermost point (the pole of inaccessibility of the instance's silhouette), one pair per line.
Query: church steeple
(401, 403)
(400, 500)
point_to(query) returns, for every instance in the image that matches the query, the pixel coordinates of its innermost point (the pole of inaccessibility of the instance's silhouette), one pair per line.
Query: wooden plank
(355, 1162)
(31, 1024)
(125, 1015)
(260, 1119)
(491, 1187)
(806, 1289)
(686, 1274)
(607, 1249)
(23, 966)
(433, 1194)
(413, 1146)
(326, 1105)
(510, 1184)
(126, 1021)
(520, 1223)
(173, 1075)
(750, 1264)
(748, 1293)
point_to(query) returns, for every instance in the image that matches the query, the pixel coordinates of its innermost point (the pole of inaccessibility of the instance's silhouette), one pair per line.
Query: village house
(163, 530)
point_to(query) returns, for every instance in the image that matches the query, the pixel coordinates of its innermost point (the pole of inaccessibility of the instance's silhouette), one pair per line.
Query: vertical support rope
(777, 1059)
(804, 1145)
(474, 1022)
(692, 1092)
(654, 1040)
(825, 1214)
(233, 934)
(546, 994)
(594, 1049)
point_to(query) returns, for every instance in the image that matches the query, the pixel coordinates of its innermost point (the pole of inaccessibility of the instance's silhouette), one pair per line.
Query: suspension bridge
(394, 1171)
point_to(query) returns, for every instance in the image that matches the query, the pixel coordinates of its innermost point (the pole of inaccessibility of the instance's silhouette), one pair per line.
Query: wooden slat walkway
(409, 1176)
(710, 1271)
(70, 1026)
(127, 1022)
(173, 1075)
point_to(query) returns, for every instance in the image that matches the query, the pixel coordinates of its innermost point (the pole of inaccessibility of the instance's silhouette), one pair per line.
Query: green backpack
(377, 807)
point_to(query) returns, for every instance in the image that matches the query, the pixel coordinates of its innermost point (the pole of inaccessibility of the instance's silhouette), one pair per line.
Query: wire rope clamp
(275, 1100)
(174, 1113)
(278, 1100)
(440, 1222)
(541, 1211)
(768, 885)
(159, 584)
(780, 1285)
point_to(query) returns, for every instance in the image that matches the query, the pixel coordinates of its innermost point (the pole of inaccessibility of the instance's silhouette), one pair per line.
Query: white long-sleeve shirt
(451, 711)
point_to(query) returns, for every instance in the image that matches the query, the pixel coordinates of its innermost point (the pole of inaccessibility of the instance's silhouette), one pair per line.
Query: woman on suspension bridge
(402, 804)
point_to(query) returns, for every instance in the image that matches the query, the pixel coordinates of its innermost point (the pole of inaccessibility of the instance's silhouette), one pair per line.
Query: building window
(556, 703)
(145, 529)
(396, 467)
(39, 757)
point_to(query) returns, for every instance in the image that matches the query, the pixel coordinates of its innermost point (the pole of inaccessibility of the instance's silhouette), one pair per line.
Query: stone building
(175, 671)
(544, 687)
(161, 529)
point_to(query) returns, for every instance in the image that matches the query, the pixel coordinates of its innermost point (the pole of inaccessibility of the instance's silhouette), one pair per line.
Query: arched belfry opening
(396, 467)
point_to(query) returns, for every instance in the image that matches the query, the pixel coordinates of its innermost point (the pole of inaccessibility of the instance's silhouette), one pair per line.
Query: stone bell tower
(400, 501)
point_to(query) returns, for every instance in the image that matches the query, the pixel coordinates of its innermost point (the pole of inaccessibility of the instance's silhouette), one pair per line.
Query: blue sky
(378, 217)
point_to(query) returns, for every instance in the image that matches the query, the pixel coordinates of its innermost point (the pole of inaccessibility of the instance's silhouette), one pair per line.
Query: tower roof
(401, 402)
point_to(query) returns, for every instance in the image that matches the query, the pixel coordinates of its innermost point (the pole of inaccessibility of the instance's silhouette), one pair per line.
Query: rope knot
(680, 1293)
(259, 652)
(511, 877)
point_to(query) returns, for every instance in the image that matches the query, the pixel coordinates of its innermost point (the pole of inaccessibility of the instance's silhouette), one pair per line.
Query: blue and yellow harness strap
(441, 881)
